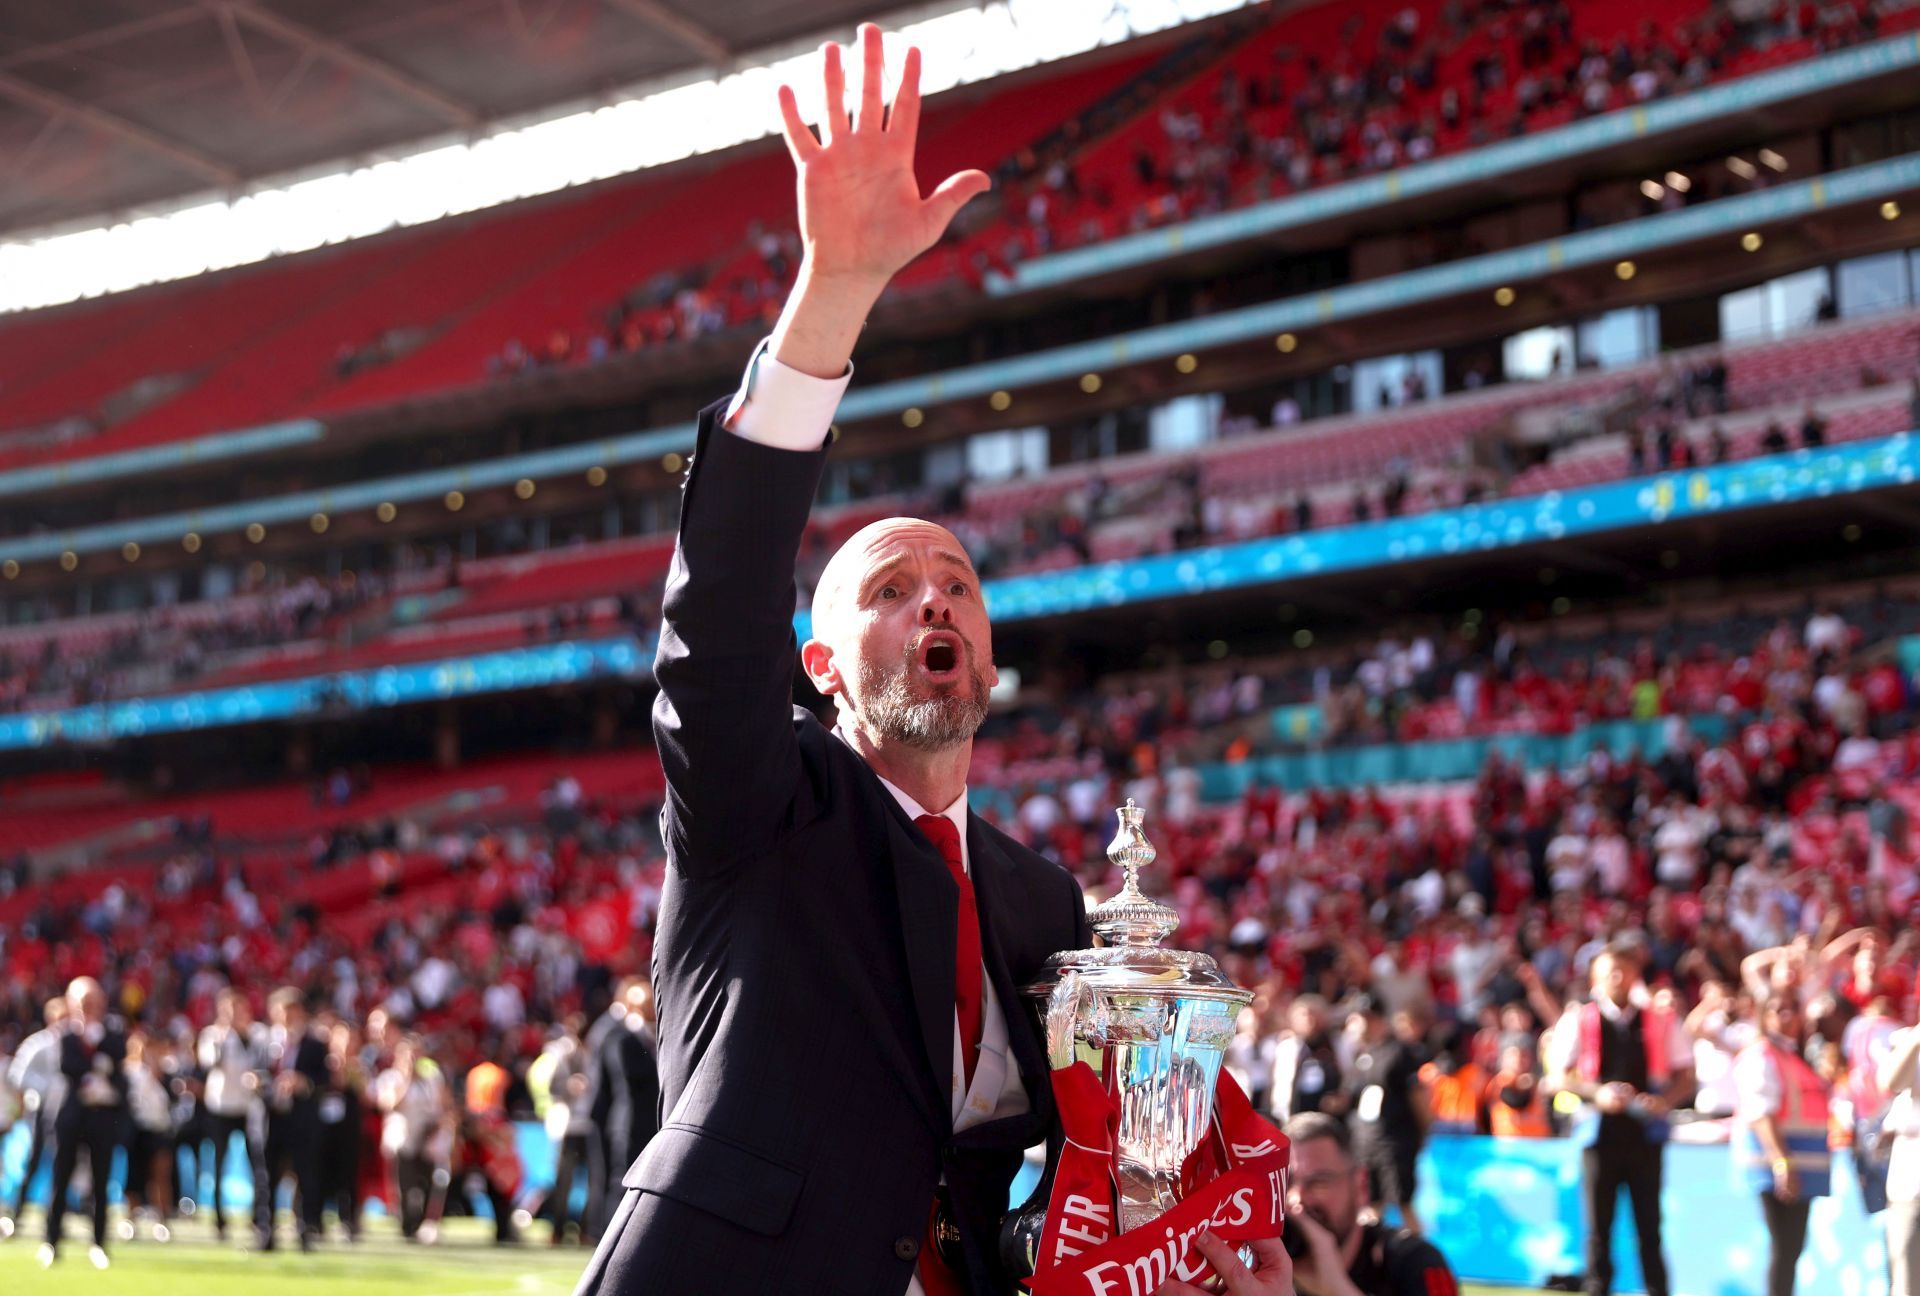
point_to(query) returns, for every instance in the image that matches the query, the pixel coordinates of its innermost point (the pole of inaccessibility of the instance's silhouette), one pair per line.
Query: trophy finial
(1130, 918)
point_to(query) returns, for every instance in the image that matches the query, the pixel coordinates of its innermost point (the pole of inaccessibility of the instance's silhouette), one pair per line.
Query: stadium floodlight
(1653, 189)
(1625, 270)
(190, 542)
(1751, 241)
(1742, 168)
(69, 560)
(524, 488)
(672, 462)
(596, 476)
(1186, 362)
(454, 500)
(256, 532)
(1773, 159)
(386, 512)
(1678, 182)
(1090, 383)
(913, 416)
(130, 551)
(660, 121)
(1503, 296)
(1285, 343)
(1890, 210)
(1000, 400)
(10, 569)
(319, 522)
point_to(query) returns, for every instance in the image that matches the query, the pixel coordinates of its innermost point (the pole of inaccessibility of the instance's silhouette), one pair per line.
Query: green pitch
(463, 1263)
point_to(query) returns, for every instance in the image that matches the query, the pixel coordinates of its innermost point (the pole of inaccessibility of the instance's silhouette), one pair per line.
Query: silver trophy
(1152, 1023)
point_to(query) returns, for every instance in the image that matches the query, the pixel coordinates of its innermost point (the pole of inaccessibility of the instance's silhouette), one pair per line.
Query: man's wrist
(823, 318)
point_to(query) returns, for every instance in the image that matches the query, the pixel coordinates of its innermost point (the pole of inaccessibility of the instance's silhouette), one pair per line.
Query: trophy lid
(1132, 925)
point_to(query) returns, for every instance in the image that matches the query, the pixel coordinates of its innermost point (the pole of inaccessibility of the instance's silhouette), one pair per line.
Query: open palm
(861, 211)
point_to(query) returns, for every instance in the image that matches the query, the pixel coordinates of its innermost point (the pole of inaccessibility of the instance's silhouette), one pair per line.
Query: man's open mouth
(940, 654)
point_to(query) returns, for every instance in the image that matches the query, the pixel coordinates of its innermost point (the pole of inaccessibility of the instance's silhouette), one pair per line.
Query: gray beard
(936, 723)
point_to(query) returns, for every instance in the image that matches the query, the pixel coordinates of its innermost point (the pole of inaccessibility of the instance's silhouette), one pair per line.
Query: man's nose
(935, 610)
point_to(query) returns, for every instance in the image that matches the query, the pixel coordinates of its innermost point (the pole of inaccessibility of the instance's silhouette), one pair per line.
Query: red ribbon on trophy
(1234, 1185)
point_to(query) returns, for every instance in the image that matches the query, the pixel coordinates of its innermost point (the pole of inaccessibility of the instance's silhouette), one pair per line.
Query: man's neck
(934, 779)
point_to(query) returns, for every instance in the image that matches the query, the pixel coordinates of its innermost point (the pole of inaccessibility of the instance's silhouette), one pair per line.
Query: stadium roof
(113, 104)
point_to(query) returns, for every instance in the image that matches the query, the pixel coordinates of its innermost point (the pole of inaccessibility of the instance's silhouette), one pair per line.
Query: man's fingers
(1270, 1257)
(955, 192)
(1226, 1262)
(873, 79)
(800, 141)
(904, 120)
(833, 119)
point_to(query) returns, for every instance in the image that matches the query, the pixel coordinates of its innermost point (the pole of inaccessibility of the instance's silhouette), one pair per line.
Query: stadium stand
(1249, 485)
(396, 316)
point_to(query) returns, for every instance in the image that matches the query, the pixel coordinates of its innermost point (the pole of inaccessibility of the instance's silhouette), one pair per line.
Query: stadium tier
(1283, 480)
(396, 317)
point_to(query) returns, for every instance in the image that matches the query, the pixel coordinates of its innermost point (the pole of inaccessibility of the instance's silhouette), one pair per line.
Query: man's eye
(958, 587)
(887, 592)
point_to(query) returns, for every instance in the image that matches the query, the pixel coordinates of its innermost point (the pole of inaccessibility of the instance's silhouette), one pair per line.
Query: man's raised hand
(862, 216)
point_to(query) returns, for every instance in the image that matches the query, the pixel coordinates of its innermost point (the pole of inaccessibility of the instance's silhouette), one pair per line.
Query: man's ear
(817, 660)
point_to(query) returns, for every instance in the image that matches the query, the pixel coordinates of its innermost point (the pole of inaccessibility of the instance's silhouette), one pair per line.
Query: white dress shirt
(227, 1055)
(781, 407)
(34, 1072)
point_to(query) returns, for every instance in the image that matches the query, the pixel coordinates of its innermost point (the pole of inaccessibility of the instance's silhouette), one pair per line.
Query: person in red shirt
(1862, 952)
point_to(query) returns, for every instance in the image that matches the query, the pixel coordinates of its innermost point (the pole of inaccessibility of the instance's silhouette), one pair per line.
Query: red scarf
(1233, 1185)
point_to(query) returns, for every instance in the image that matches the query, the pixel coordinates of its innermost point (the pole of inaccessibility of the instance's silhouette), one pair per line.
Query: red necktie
(935, 1278)
(941, 832)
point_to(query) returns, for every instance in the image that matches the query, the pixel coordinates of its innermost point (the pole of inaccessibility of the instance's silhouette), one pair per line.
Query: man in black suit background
(92, 1115)
(296, 1072)
(847, 1070)
(624, 1088)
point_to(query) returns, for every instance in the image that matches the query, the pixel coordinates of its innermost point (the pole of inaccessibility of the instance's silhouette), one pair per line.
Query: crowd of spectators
(1422, 682)
(747, 286)
(1394, 938)
(166, 648)
(1251, 133)
(1245, 134)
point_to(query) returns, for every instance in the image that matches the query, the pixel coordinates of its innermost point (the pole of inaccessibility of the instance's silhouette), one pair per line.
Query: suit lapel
(993, 885)
(929, 915)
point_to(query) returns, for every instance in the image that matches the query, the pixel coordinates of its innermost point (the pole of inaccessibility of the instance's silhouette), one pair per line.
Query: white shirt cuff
(781, 407)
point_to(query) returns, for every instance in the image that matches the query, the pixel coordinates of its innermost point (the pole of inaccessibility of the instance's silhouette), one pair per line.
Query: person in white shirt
(149, 1187)
(34, 1074)
(1900, 1079)
(229, 1055)
(1826, 631)
(412, 1096)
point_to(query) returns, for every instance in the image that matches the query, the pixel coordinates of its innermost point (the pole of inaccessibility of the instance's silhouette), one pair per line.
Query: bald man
(848, 1072)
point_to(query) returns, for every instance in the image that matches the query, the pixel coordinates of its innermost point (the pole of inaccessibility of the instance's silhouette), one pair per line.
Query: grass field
(463, 1263)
